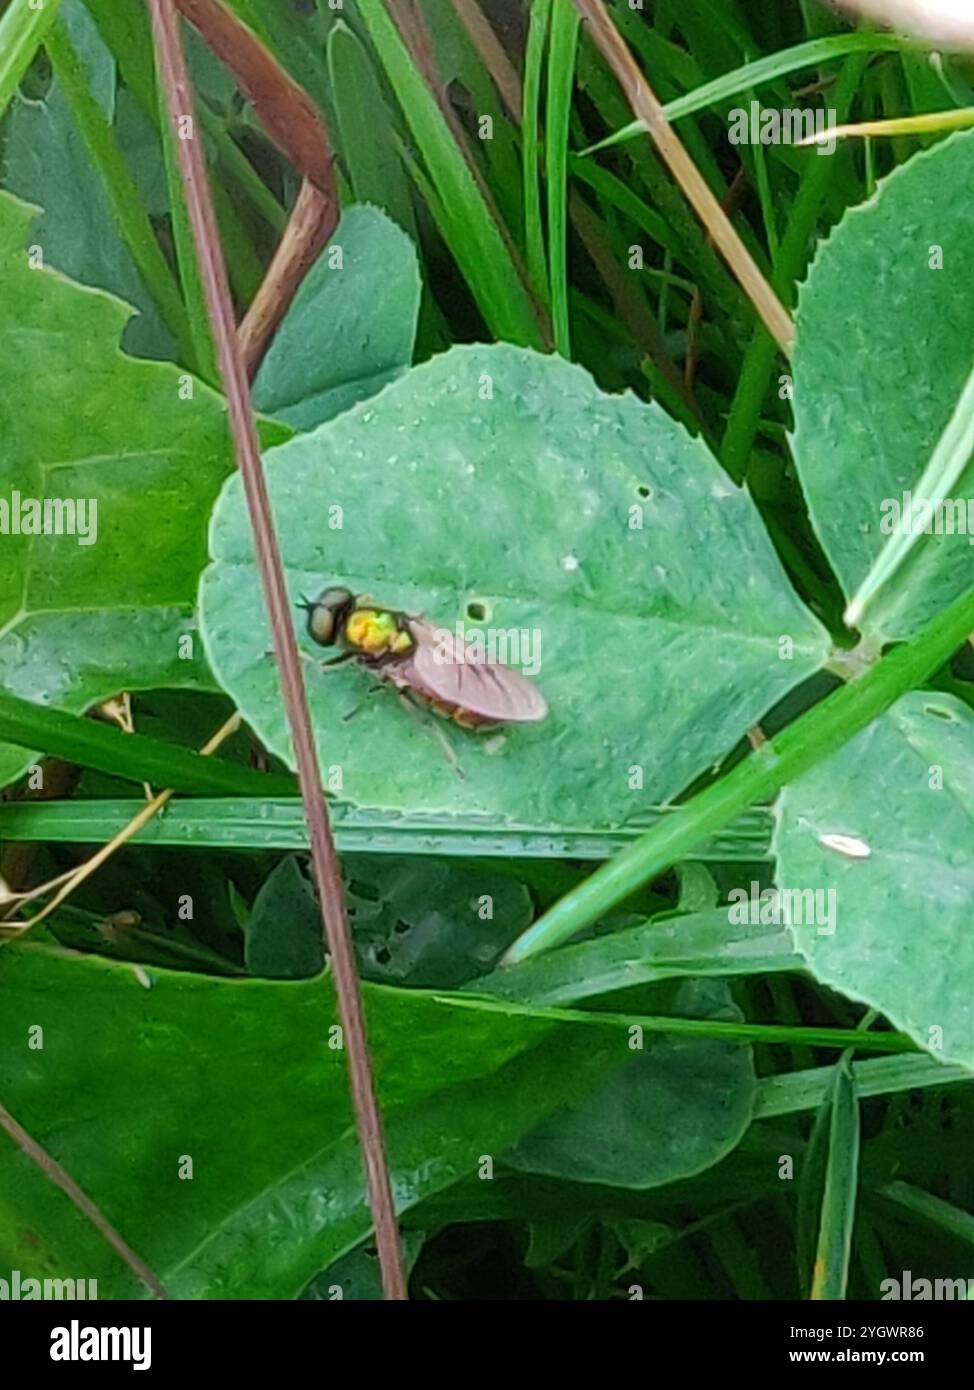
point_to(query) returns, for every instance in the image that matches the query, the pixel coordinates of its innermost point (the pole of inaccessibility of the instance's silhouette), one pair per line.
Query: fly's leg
(328, 665)
(333, 661)
(373, 690)
(419, 712)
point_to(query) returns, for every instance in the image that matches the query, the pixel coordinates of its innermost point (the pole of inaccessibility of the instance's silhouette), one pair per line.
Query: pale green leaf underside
(351, 328)
(902, 941)
(885, 345)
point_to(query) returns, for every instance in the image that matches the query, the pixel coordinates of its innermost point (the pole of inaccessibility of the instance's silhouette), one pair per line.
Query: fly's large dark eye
(324, 615)
(321, 624)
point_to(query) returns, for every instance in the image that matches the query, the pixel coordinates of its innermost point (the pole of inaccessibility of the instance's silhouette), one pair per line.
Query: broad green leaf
(139, 1072)
(673, 1110)
(144, 447)
(46, 162)
(431, 923)
(885, 345)
(502, 490)
(351, 328)
(283, 931)
(900, 870)
(424, 922)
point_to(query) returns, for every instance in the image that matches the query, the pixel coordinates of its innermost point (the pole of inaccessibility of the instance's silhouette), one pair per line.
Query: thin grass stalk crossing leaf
(811, 738)
(947, 463)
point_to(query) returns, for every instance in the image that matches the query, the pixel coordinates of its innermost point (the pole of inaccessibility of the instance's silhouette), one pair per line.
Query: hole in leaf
(937, 712)
(477, 612)
(382, 956)
(644, 491)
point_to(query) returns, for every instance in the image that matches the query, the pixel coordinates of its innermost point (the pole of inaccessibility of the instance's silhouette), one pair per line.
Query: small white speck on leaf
(849, 845)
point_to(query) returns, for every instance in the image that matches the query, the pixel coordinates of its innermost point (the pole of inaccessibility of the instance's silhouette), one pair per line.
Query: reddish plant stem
(646, 108)
(292, 122)
(313, 220)
(175, 82)
(284, 109)
(82, 1201)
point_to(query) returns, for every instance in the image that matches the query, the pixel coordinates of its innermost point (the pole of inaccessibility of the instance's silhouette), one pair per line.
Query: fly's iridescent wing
(444, 668)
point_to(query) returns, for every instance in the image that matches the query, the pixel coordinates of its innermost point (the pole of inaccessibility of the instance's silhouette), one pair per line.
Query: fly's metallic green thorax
(337, 616)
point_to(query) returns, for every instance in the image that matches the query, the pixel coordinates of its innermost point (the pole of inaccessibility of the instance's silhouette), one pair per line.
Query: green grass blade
(562, 54)
(831, 1274)
(365, 125)
(796, 1092)
(618, 194)
(275, 820)
(759, 73)
(202, 347)
(534, 240)
(702, 943)
(943, 1216)
(793, 254)
(811, 738)
(125, 31)
(740, 1261)
(22, 31)
(135, 756)
(691, 1027)
(766, 199)
(472, 235)
(947, 463)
